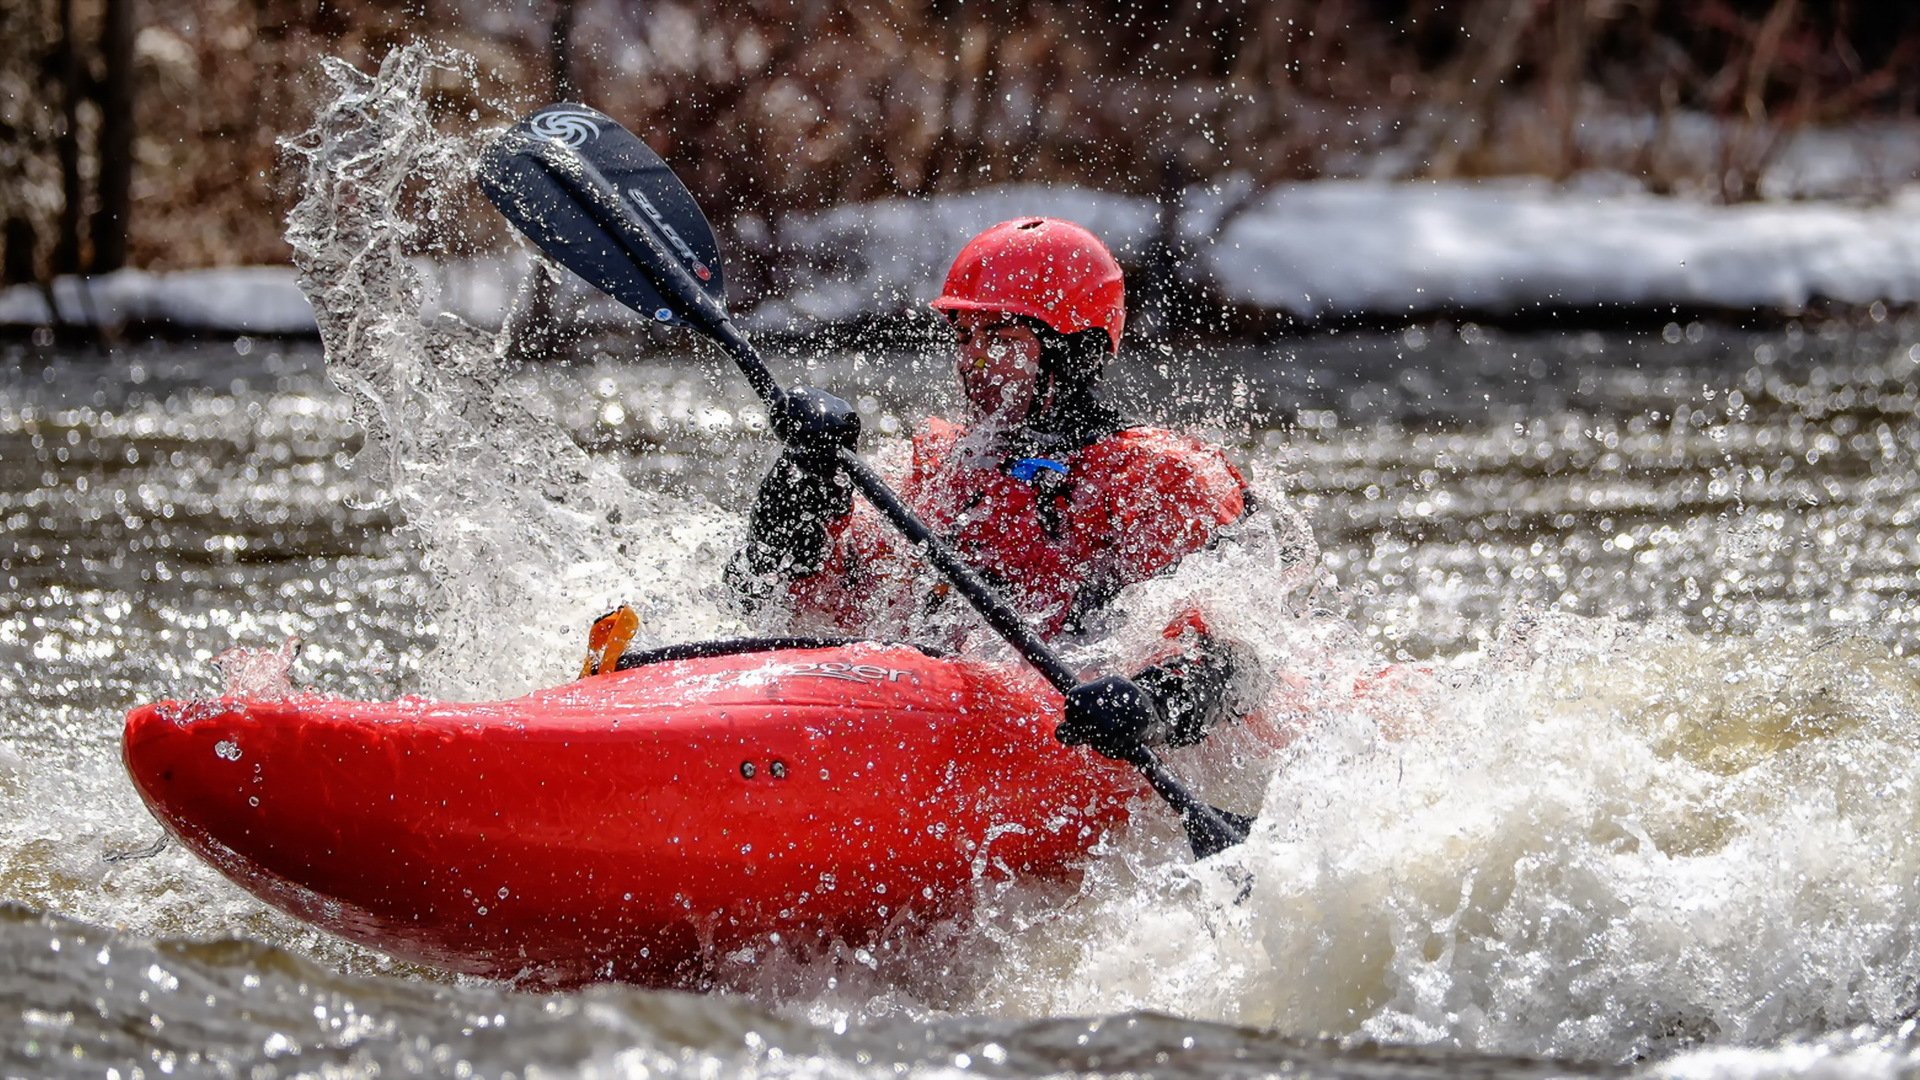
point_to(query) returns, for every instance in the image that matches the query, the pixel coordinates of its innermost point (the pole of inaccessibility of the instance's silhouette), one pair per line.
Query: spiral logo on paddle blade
(568, 127)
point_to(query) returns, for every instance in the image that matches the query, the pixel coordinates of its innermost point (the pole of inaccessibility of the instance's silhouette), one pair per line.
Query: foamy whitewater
(1573, 836)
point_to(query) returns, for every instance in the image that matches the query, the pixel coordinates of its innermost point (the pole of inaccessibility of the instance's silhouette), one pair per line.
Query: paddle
(601, 203)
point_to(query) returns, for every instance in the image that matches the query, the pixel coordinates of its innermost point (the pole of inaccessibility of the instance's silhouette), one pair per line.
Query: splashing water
(258, 674)
(1604, 845)
(1587, 839)
(526, 535)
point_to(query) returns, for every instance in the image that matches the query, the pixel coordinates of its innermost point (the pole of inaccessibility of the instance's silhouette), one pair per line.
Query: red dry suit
(1059, 544)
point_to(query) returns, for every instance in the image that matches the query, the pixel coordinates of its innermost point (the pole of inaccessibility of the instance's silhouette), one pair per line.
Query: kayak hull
(641, 825)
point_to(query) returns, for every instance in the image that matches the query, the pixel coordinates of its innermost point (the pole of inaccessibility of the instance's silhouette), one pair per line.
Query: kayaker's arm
(804, 493)
(1173, 497)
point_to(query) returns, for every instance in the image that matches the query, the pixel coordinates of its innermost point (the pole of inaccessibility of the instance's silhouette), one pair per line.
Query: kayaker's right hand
(815, 425)
(803, 494)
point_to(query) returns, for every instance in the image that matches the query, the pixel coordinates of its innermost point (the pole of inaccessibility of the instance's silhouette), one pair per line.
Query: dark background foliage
(135, 132)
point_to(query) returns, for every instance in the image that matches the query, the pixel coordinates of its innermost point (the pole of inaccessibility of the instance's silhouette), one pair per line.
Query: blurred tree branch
(775, 106)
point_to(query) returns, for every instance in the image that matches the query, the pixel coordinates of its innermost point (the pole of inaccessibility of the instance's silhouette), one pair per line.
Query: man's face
(998, 360)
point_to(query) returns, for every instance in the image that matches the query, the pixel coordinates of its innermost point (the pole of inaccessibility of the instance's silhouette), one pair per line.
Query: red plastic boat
(641, 824)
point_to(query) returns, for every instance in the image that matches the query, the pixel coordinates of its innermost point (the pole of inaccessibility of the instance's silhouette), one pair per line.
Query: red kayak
(641, 824)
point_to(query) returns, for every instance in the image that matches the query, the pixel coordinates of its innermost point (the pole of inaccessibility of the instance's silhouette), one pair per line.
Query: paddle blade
(1215, 831)
(602, 204)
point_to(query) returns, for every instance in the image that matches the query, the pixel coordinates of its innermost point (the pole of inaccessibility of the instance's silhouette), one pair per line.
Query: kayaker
(1044, 488)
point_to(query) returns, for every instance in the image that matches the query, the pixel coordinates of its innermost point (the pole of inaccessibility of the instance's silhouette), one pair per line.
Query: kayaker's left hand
(1112, 715)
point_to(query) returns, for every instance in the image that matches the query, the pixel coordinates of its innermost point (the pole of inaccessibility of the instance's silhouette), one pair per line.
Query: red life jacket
(1058, 545)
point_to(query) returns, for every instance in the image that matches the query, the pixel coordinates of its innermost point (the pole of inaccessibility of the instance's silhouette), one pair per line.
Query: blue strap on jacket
(1026, 469)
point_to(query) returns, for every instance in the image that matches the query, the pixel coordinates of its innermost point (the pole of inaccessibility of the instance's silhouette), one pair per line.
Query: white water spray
(1598, 844)
(527, 536)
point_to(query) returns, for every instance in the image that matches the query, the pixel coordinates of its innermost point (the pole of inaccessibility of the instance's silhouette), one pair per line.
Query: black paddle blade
(1216, 831)
(602, 204)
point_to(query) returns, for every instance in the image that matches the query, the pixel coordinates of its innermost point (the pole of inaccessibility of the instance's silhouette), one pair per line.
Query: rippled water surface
(1650, 794)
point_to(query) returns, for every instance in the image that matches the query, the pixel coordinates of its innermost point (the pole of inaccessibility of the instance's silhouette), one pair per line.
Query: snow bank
(1342, 248)
(244, 300)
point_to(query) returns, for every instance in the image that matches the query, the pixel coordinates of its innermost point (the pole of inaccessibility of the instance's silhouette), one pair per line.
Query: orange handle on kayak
(608, 639)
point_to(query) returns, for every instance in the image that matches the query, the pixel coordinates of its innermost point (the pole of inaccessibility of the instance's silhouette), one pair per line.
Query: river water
(1652, 810)
(1638, 798)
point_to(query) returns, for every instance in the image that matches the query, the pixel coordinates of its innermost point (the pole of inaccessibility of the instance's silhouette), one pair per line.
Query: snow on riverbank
(242, 300)
(1343, 248)
(1310, 250)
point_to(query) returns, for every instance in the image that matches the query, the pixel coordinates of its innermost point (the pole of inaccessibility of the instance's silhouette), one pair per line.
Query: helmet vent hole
(1034, 224)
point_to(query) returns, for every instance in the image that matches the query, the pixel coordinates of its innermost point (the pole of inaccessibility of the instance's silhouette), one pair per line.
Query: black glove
(803, 493)
(1173, 703)
(1189, 693)
(1113, 715)
(815, 425)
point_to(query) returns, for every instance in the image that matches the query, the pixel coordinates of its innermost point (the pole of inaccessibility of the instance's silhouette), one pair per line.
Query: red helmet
(1044, 268)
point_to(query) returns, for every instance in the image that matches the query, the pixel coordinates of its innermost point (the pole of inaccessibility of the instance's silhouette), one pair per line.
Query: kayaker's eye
(964, 335)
